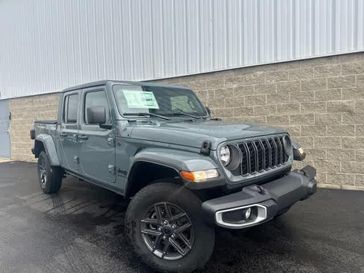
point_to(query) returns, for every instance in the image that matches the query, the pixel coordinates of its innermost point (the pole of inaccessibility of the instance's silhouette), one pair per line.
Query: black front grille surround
(262, 154)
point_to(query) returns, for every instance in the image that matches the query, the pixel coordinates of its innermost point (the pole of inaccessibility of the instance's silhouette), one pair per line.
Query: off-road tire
(50, 177)
(204, 235)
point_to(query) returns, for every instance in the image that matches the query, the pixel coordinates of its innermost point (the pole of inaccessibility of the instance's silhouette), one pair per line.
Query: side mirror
(96, 115)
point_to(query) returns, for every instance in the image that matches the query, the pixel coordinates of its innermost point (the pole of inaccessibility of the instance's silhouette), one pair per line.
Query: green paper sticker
(140, 99)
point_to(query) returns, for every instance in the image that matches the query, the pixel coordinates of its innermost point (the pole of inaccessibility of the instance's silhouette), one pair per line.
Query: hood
(194, 133)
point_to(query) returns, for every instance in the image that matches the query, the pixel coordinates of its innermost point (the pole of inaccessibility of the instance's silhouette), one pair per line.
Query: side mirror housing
(96, 115)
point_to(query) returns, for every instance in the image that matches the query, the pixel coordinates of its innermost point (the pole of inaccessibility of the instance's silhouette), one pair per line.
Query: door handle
(83, 137)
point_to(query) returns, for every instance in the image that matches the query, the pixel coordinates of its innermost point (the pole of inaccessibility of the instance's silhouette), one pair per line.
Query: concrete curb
(3, 160)
(340, 187)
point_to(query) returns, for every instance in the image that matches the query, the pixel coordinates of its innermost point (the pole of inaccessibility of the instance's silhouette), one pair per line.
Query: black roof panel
(104, 82)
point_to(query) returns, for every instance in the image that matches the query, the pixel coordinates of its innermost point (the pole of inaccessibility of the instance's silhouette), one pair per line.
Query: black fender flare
(49, 147)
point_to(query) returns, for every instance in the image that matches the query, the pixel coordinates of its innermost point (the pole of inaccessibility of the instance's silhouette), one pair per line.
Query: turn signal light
(199, 176)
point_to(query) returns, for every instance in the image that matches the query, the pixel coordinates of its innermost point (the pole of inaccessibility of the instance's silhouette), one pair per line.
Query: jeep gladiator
(183, 171)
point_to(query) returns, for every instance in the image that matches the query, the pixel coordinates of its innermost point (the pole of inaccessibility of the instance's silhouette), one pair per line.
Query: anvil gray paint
(106, 156)
(141, 151)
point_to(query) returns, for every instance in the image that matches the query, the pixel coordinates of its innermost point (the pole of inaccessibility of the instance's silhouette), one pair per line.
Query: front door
(68, 133)
(4, 129)
(97, 154)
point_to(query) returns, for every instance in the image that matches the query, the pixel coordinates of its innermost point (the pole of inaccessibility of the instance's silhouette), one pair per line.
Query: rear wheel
(165, 226)
(50, 178)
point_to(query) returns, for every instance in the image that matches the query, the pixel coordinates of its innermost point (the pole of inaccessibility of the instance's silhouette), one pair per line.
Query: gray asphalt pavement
(81, 230)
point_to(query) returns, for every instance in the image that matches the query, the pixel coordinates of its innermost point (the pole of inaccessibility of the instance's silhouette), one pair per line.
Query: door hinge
(122, 172)
(76, 159)
(111, 141)
(111, 168)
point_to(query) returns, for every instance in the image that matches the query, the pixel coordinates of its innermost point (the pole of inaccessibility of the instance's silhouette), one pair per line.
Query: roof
(104, 82)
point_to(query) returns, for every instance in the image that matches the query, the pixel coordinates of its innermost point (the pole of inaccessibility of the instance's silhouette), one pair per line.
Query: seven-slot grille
(262, 154)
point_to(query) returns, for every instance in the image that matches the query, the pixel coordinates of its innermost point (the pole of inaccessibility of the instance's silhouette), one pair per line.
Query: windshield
(157, 100)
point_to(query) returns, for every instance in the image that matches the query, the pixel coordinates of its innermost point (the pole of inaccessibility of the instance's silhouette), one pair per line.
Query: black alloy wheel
(167, 228)
(167, 231)
(42, 167)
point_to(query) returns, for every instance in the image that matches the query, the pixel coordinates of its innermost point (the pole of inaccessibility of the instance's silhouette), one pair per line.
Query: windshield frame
(121, 113)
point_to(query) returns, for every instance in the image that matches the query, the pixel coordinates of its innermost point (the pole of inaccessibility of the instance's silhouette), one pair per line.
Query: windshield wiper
(179, 111)
(146, 114)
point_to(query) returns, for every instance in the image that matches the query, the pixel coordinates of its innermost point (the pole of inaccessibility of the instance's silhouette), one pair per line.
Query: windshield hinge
(111, 168)
(205, 147)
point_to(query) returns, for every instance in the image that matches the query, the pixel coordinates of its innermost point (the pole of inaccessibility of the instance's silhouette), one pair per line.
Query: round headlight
(225, 155)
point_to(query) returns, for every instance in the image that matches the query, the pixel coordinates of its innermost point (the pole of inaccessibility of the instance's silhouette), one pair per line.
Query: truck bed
(49, 121)
(48, 127)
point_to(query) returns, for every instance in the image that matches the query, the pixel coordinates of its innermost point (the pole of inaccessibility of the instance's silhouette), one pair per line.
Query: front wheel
(164, 224)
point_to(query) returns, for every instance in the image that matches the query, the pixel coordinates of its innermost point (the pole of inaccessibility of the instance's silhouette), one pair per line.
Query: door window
(70, 108)
(96, 98)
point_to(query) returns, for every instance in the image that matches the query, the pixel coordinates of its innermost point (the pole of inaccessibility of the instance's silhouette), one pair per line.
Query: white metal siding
(47, 45)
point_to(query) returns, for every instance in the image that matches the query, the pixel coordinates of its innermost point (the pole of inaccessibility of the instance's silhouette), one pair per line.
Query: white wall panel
(47, 45)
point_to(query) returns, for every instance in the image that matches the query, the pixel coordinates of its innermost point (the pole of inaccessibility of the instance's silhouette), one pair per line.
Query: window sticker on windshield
(140, 99)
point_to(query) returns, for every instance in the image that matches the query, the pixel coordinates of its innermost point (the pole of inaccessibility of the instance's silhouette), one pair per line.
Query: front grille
(262, 154)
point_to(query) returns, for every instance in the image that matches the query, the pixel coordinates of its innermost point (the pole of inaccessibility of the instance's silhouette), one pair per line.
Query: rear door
(68, 133)
(4, 129)
(97, 154)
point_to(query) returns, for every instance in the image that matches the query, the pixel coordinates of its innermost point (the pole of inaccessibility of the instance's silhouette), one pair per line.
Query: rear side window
(96, 98)
(70, 108)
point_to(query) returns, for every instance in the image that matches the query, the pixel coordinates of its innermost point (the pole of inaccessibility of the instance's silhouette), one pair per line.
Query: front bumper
(265, 201)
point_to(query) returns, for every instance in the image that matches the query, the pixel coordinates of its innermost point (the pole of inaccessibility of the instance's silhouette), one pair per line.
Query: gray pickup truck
(183, 171)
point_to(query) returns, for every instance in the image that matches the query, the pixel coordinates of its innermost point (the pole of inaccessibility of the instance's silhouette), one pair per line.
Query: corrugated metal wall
(47, 45)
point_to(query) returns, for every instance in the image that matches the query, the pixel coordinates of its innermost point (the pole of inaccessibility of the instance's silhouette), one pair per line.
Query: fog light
(240, 217)
(248, 213)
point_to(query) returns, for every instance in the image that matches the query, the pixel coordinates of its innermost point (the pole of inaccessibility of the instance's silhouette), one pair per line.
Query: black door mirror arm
(105, 126)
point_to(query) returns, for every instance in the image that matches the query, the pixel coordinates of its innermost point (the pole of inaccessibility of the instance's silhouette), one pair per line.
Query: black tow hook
(259, 189)
(256, 189)
(309, 172)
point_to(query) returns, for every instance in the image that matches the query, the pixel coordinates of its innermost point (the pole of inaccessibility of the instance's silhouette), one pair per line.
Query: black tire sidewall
(54, 178)
(204, 235)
